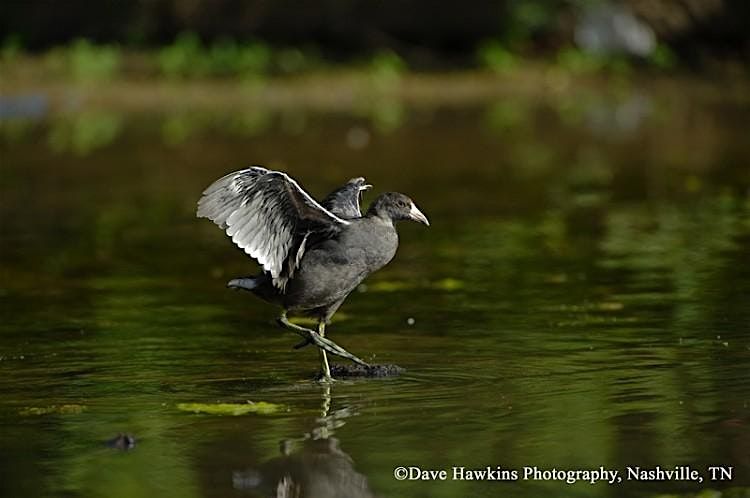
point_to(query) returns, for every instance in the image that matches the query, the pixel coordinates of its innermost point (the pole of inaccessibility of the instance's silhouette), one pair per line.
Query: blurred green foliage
(663, 57)
(223, 35)
(292, 60)
(187, 57)
(179, 58)
(89, 62)
(11, 49)
(84, 61)
(527, 17)
(494, 55)
(386, 68)
(580, 62)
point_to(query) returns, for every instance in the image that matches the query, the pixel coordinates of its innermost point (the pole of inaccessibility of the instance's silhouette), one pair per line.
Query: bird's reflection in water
(313, 466)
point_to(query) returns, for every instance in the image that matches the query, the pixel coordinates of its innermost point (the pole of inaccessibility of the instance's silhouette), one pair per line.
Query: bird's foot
(312, 337)
(246, 283)
(323, 379)
(333, 348)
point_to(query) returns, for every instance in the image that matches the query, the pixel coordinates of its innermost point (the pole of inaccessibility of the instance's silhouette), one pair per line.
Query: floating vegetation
(70, 409)
(445, 284)
(448, 284)
(233, 409)
(586, 307)
(389, 286)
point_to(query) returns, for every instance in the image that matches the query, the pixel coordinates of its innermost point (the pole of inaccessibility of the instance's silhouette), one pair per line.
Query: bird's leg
(323, 356)
(321, 342)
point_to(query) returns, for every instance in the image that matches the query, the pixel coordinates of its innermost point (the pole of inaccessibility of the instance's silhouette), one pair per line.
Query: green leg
(321, 342)
(323, 355)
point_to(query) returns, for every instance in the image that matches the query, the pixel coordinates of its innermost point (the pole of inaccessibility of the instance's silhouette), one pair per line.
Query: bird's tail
(246, 283)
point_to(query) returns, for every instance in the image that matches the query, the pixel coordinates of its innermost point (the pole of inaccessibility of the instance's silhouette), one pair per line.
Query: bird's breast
(373, 241)
(329, 271)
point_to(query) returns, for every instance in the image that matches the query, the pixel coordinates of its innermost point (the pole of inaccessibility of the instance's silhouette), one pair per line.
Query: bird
(313, 255)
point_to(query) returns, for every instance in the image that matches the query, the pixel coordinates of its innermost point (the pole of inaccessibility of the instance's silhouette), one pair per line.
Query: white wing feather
(268, 215)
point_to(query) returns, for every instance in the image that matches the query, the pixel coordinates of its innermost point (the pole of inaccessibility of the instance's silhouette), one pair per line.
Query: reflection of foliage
(85, 132)
(16, 130)
(735, 492)
(388, 115)
(293, 121)
(549, 328)
(385, 111)
(618, 113)
(251, 123)
(507, 114)
(681, 247)
(178, 128)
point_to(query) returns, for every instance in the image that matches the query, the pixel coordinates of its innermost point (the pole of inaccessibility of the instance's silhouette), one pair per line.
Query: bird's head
(396, 207)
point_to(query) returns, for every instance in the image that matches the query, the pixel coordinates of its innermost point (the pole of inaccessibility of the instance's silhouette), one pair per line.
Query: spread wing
(344, 201)
(267, 214)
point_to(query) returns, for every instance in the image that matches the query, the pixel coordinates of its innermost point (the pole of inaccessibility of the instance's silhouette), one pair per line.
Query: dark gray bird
(313, 256)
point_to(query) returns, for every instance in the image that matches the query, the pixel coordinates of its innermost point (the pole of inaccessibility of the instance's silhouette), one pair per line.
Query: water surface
(580, 300)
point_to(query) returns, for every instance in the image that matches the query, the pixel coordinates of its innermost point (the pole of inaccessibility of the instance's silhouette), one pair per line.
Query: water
(579, 301)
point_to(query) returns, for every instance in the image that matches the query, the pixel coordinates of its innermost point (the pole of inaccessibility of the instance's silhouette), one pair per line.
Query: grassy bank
(226, 74)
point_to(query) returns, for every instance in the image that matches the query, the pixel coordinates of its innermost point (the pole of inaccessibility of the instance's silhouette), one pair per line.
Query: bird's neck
(378, 210)
(379, 216)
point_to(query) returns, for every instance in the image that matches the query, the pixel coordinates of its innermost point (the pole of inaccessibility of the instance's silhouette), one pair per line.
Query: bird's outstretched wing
(269, 216)
(344, 201)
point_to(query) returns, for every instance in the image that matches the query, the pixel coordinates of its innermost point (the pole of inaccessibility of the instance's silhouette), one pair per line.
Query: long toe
(304, 343)
(333, 348)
